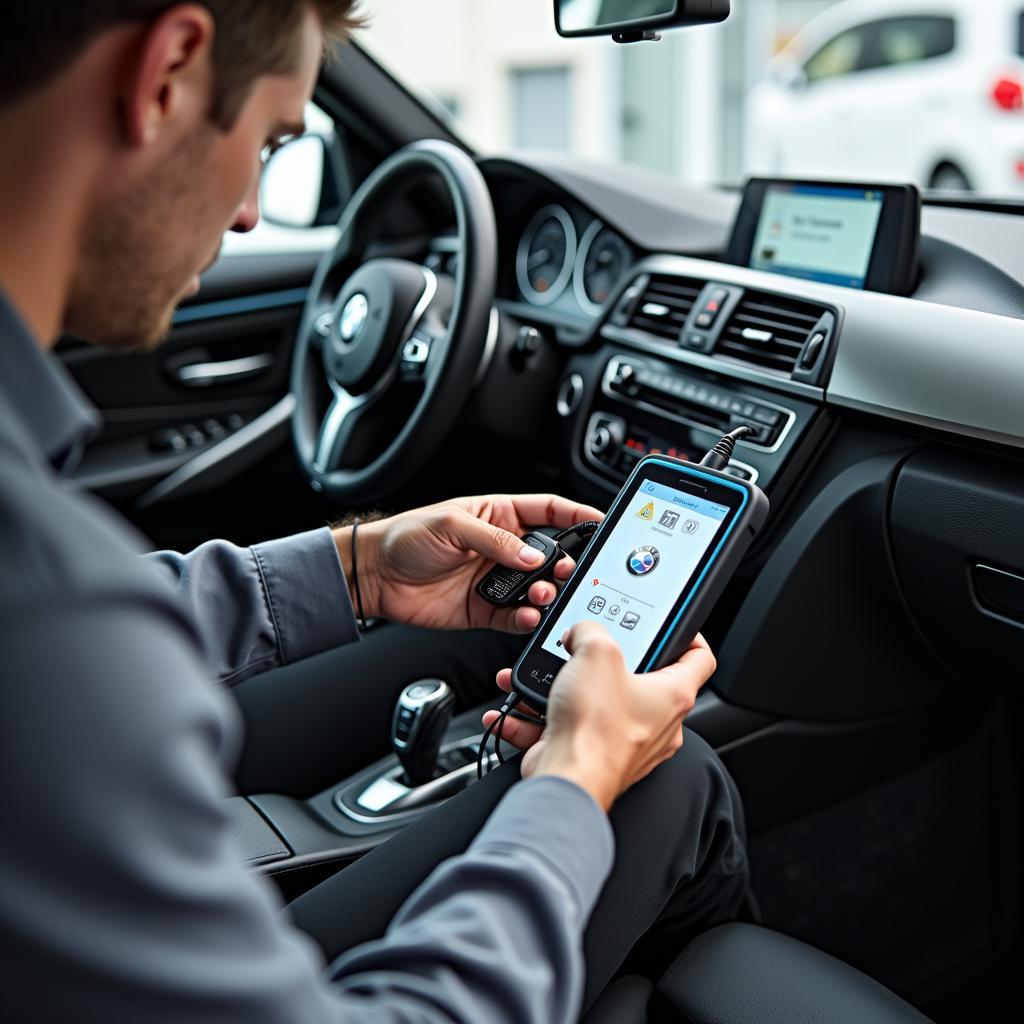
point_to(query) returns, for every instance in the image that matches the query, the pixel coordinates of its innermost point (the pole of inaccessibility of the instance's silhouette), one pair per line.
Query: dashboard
(676, 344)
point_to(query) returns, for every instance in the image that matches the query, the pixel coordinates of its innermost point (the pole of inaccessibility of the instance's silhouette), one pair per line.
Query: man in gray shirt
(129, 139)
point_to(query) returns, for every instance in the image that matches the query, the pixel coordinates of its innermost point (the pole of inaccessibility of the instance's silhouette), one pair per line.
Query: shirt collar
(54, 415)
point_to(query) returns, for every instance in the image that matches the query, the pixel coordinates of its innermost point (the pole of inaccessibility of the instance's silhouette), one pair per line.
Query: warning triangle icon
(647, 512)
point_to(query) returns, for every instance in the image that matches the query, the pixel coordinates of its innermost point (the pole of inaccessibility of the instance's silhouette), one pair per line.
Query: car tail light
(1008, 93)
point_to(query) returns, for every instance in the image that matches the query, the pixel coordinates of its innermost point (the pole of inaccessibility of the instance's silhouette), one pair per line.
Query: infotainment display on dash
(857, 236)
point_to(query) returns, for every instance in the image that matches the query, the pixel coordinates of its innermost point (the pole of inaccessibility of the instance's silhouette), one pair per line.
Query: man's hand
(422, 567)
(607, 728)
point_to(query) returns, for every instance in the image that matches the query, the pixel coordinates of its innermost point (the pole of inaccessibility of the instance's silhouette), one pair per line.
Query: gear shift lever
(421, 718)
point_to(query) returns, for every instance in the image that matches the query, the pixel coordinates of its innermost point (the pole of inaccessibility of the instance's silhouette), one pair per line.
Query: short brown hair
(41, 38)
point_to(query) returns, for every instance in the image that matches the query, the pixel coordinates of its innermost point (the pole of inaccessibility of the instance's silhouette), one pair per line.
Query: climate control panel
(642, 405)
(692, 400)
(612, 443)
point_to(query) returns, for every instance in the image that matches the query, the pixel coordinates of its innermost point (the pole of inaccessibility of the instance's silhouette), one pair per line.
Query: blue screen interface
(643, 566)
(818, 233)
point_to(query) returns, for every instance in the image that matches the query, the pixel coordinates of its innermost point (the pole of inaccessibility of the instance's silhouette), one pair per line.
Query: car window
(845, 53)
(910, 39)
(269, 238)
(1020, 34)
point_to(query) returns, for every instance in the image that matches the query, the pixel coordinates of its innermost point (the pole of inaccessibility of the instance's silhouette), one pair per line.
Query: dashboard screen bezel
(893, 265)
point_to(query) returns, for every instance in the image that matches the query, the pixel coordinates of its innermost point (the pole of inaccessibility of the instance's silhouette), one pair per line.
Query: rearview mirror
(627, 20)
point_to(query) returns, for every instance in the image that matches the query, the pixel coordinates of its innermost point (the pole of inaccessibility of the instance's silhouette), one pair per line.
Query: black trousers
(680, 867)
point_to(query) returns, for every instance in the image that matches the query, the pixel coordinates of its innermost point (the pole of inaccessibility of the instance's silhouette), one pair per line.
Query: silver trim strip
(607, 390)
(949, 369)
(490, 344)
(467, 771)
(343, 405)
(200, 375)
(953, 370)
(259, 429)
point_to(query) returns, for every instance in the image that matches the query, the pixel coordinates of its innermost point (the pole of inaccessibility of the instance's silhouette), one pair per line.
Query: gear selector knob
(421, 718)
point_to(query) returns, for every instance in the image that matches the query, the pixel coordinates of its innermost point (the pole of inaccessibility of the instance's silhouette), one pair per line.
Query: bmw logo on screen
(641, 561)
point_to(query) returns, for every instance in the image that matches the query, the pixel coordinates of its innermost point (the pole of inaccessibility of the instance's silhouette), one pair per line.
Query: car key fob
(502, 587)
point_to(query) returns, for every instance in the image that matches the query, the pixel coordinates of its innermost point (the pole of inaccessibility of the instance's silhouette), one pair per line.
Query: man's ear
(169, 79)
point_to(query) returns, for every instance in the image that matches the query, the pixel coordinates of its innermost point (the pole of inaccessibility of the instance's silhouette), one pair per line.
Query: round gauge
(603, 261)
(546, 253)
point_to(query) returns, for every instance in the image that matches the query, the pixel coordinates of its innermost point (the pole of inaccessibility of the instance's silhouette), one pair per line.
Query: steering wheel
(388, 351)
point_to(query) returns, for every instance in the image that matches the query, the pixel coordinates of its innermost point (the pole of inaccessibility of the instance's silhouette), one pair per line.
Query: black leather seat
(741, 973)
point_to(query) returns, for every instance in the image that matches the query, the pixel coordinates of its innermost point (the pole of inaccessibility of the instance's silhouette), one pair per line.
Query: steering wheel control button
(324, 323)
(415, 355)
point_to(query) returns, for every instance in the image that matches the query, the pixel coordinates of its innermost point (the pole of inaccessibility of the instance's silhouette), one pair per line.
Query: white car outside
(925, 91)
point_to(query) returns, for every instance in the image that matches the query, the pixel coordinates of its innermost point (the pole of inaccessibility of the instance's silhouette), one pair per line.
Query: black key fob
(502, 587)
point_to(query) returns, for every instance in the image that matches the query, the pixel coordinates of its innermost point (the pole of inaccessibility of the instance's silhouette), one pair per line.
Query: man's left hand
(422, 567)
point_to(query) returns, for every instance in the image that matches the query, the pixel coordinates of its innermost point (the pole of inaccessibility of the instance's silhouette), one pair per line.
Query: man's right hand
(606, 727)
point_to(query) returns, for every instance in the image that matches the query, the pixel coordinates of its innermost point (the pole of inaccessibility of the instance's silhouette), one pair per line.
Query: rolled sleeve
(307, 594)
(261, 607)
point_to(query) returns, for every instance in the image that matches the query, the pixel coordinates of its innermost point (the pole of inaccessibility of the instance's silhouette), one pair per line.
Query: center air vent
(768, 331)
(664, 306)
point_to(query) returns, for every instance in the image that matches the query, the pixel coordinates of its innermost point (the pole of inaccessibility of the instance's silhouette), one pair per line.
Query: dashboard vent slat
(664, 306)
(768, 331)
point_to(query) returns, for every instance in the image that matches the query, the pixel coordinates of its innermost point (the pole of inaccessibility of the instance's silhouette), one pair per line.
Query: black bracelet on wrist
(360, 617)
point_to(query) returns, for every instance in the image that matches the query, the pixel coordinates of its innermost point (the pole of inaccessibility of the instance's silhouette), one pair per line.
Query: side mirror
(633, 20)
(301, 185)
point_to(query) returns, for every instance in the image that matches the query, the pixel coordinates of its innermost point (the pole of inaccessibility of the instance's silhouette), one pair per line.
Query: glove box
(957, 523)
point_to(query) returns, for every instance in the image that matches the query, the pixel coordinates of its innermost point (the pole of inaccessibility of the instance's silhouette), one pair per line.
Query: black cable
(482, 753)
(355, 580)
(581, 530)
(533, 719)
(719, 456)
(496, 727)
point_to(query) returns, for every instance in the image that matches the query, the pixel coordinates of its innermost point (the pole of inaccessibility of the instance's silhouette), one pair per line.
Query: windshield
(865, 90)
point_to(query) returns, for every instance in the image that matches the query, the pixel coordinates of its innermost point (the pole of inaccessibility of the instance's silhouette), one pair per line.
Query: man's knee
(693, 804)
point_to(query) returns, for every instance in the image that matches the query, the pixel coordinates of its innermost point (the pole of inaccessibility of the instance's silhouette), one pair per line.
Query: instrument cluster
(561, 256)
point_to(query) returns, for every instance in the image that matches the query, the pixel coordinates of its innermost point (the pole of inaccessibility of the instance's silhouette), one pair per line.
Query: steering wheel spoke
(339, 425)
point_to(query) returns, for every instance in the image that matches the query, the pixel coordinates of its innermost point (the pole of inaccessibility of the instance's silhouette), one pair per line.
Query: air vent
(664, 306)
(768, 331)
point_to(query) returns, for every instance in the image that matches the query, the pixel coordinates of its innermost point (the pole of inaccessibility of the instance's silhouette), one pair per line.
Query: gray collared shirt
(122, 897)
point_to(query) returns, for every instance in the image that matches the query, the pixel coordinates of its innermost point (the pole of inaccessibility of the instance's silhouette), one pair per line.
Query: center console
(682, 359)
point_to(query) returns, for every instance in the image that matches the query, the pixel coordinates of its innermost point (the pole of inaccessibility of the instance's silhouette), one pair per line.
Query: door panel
(190, 418)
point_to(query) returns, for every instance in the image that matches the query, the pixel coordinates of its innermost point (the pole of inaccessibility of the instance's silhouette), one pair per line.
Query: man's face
(145, 245)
